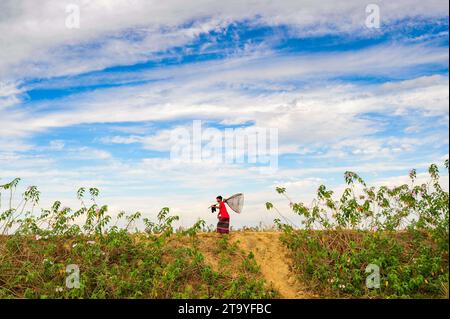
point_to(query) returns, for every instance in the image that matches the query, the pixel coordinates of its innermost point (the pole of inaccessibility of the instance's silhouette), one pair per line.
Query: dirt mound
(271, 256)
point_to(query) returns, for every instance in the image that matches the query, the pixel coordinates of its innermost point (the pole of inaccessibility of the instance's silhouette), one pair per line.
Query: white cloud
(188, 189)
(205, 91)
(317, 114)
(9, 95)
(56, 145)
(36, 42)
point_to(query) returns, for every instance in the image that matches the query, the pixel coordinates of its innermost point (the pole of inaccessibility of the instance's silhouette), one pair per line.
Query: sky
(92, 93)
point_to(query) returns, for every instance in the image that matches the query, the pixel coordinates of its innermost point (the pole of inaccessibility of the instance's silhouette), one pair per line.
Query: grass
(335, 263)
(396, 237)
(123, 265)
(373, 242)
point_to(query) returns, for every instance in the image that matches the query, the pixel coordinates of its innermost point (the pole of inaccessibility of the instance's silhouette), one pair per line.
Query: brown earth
(271, 256)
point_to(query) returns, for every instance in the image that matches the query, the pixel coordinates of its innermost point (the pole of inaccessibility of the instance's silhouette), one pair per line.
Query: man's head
(219, 199)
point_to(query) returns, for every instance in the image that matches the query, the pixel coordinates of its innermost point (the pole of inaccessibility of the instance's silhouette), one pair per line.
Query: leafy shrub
(402, 230)
(114, 262)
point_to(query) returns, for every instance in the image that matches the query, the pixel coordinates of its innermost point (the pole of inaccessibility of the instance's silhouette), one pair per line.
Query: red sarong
(223, 226)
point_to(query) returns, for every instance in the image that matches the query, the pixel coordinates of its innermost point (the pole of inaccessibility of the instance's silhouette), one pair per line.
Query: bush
(401, 231)
(40, 253)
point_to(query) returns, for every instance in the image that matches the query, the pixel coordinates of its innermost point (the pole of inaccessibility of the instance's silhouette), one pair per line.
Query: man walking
(223, 226)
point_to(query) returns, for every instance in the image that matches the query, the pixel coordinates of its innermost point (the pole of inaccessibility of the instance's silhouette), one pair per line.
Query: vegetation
(371, 242)
(400, 232)
(38, 256)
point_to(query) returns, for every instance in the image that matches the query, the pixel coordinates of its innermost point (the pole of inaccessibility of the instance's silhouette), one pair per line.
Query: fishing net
(236, 202)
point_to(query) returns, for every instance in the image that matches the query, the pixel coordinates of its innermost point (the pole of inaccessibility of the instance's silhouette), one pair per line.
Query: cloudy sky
(97, 105)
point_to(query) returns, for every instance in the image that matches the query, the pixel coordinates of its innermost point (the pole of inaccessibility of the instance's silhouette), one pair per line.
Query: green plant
(113, 261)
(402, 230)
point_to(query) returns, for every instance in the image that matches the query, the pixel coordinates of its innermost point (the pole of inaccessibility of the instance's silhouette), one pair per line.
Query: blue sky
(96, 105)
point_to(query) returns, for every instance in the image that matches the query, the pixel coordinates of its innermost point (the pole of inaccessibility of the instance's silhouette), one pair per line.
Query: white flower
(47, 261)
(74, 245)
(91, 242)
(58, 289)
(37, 237)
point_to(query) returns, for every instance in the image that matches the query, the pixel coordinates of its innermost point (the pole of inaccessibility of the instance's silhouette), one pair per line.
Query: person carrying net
(235, 202)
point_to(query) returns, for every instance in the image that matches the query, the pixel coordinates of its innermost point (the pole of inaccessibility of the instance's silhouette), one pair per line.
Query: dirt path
(271, 256)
